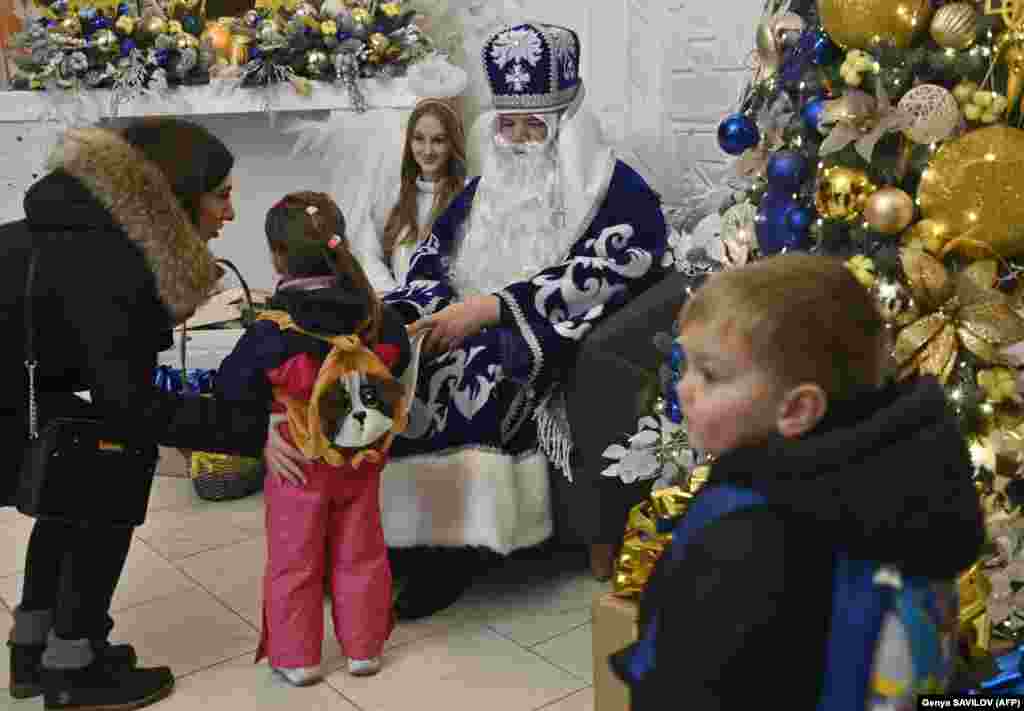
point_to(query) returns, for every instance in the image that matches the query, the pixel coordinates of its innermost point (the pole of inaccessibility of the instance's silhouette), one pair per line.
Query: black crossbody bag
(75, 469)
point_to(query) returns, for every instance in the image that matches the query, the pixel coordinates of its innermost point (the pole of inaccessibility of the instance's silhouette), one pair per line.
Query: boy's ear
(801, 409)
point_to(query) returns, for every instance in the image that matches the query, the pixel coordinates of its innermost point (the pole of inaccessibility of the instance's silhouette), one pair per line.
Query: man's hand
(455, 323)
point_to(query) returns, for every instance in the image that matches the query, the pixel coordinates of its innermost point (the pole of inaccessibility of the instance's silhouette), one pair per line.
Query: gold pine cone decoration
(860, 24)
(955, 26)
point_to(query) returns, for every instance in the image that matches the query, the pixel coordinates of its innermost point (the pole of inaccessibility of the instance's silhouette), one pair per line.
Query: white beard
(511, 233)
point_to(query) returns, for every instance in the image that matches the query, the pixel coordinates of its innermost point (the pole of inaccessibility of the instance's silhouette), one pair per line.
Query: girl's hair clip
(312, 210)
(333, 242)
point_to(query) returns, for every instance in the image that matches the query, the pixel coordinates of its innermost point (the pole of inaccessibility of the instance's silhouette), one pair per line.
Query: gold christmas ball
(70, 26)
(935, 110)
(186, 41)
(860, 24)
(927, 235)
(379, 43)
(174, 27)
(126, 24)
(889, 210)
(105, 40)
(973, 188)
(155, 25)
(843, 192)
(954, 26)
(219, 37)
(895, 302)
(316, 62)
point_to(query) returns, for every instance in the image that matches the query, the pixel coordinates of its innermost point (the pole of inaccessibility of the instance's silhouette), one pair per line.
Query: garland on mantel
(150, 47)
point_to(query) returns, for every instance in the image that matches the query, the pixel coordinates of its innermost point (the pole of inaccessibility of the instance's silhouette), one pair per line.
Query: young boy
(785, 385)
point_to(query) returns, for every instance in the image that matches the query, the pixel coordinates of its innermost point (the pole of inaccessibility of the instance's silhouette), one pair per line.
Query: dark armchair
(604, 398)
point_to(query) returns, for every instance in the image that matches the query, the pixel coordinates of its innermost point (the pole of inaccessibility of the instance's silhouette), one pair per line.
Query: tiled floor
(190, 598)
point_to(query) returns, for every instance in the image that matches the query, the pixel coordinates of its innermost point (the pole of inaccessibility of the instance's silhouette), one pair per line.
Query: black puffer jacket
(119, 264)
(743, 616)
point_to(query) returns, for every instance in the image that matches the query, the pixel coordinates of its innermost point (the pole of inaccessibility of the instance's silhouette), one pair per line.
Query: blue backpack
(887, 642)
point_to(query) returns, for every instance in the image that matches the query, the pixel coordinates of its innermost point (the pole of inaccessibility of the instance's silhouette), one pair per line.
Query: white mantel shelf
(215, 98)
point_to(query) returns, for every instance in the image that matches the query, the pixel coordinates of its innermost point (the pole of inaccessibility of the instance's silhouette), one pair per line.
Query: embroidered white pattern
(518, 78)
(565, 54)
(517, 45)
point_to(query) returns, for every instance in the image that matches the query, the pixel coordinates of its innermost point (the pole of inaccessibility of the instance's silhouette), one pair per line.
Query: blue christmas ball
(825, 51)
(771, 225)
(786, 170)
(102, 23)
(673, 411)
(738, 133)
(59, 7)
(678, 358)
(191, 24)
(811, 114)
(87, 13)
(255, 54)
(799, 219)
(124, 9)
(127, 45)
(162, 57)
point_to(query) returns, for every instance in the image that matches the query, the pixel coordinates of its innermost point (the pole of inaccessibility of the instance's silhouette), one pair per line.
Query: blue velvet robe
(484, 396)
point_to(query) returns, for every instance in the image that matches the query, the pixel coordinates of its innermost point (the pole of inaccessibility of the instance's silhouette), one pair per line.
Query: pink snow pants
(328, 529)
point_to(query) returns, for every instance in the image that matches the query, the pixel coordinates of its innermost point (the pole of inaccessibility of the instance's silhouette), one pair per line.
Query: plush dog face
(371, 415)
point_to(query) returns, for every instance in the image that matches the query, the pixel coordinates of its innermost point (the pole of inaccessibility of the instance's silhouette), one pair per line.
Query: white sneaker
(364, 667)
(300, 676)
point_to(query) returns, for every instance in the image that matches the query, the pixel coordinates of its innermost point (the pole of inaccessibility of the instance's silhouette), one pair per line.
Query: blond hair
(805, 319)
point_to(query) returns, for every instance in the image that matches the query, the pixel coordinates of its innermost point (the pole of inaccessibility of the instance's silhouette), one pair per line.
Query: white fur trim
(471, 496)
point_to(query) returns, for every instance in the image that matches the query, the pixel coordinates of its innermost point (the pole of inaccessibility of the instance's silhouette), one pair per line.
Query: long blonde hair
(404, 214)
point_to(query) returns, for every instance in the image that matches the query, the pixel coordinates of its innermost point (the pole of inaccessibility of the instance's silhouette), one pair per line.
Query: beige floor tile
(188, 631)
(580, 701)
(470, 667)
(240, 685)
(170, 493)
(14, 532)
(572, 651)
(146, 577)
(171, 463)
(181, 533)
(234, 574)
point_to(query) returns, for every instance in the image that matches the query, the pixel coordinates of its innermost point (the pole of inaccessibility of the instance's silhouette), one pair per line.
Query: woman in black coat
(121, 225)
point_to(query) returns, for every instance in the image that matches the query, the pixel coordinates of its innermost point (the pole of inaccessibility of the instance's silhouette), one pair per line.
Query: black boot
(437, 578)
(98, 687)
(26, 664)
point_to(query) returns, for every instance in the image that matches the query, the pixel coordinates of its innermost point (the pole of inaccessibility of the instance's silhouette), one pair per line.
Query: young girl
(433, 173)
(325, 524)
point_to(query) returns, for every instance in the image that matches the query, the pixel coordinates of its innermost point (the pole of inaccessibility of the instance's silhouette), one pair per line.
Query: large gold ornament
(843, 192)
(959, 311)
(928, 235)
(860, 24)
(126, 24)
(889, 210)
(955, 26)
(972, 188)
(935, 110)
(70, 26)
(154, 25)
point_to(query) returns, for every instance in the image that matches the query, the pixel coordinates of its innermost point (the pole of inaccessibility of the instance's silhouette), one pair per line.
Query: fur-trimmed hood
(133, 194)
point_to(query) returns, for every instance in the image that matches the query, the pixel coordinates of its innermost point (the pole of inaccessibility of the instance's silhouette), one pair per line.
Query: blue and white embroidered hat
(532, 68)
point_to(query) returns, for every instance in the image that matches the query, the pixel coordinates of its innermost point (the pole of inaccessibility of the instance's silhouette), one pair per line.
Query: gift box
(614, 627)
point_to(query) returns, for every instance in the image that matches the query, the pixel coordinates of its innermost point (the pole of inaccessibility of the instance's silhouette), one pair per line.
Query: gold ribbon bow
(862, 120)
(959, 311)
(643, 545)
(306, 419)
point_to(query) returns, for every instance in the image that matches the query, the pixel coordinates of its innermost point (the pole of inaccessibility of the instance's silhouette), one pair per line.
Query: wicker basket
(223, 477)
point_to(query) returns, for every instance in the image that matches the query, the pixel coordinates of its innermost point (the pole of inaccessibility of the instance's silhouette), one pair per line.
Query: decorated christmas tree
(888, 133)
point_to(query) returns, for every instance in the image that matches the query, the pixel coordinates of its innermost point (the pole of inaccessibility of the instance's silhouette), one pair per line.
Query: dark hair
(301, 229)
(193, 159)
